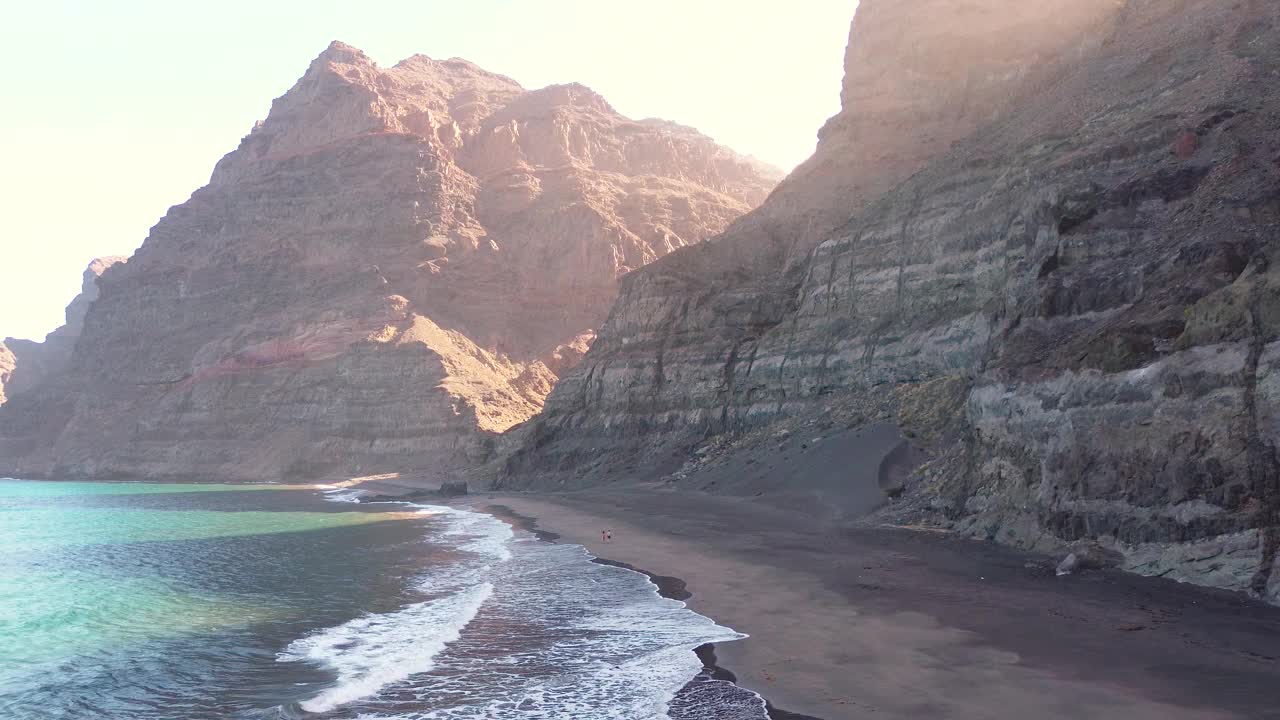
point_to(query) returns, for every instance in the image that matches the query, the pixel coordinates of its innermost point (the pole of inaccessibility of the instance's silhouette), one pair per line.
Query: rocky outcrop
(393, 267)
(7, 364)
(1039, 237)
(38, 360)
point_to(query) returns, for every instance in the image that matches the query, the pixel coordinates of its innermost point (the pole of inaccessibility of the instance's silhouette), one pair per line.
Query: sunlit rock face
(39, 360)
(1038, 235)
(7, 364)
(394, 266)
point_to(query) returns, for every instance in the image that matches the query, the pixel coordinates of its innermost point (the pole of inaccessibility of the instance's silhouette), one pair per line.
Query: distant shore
(851, 624)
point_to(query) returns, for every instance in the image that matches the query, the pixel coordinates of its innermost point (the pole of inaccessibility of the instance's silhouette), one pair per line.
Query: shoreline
(846, 623)
(670, 587)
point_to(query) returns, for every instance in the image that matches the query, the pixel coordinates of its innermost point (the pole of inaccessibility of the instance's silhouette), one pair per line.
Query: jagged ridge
(395, 265)
(29, 362)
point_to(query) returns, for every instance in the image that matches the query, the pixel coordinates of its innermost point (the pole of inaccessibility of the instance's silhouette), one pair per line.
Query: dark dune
(837, 474)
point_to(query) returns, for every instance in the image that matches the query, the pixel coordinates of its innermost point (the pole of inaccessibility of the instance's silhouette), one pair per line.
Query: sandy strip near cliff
(900, 624)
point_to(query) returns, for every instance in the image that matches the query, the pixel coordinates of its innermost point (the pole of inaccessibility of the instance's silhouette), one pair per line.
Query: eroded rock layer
(392, 267)
(1039, 236)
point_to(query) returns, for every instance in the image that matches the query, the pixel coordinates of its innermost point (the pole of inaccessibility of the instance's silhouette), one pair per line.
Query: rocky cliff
(7, 364)
(31, 362)
(1039, 239)
(393, 267)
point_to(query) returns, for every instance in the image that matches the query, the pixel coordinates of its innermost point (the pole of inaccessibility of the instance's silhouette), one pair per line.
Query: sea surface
(153, 601)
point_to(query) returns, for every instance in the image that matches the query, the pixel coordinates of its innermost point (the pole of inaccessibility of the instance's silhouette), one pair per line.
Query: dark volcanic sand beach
(903, 624)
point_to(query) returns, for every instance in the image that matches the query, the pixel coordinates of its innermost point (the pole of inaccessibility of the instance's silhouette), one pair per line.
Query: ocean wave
(337, 494)
(374, 651)
(560, 637)
(479, 534)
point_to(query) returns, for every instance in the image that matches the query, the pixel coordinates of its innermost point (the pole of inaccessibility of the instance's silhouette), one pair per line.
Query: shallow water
(148, 601)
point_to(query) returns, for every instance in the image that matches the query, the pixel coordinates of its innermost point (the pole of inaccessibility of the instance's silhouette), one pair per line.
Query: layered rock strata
(1050, 255)
(393, 267)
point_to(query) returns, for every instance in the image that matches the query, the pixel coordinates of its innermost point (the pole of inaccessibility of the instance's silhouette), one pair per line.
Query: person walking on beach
(608, 536)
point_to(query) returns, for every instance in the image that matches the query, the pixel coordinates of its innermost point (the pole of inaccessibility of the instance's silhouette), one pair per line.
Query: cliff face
(1050, 260)
(39, 360)
(7, 364)
(392, 267)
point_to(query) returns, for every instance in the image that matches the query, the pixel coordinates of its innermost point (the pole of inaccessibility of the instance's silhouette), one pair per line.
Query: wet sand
(902, 624)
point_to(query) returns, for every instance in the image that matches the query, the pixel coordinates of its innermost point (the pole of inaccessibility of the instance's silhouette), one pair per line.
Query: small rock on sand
(1068, 565)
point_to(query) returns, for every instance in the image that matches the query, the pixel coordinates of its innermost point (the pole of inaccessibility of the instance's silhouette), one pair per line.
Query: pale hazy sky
(114, 111)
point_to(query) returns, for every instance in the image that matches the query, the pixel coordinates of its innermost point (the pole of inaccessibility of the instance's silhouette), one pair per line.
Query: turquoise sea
(150, 601)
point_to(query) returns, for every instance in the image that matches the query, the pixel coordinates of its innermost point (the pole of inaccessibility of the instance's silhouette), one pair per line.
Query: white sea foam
(560, 638)
(342, 495)
(638, 689)
(373, 651)
(481, 534)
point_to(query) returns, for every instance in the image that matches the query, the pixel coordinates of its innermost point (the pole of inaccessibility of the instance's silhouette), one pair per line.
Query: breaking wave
(509, 627)
(374, 651)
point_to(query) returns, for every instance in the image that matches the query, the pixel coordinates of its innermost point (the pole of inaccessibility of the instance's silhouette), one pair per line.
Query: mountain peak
(414, 252)
(340, 52)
